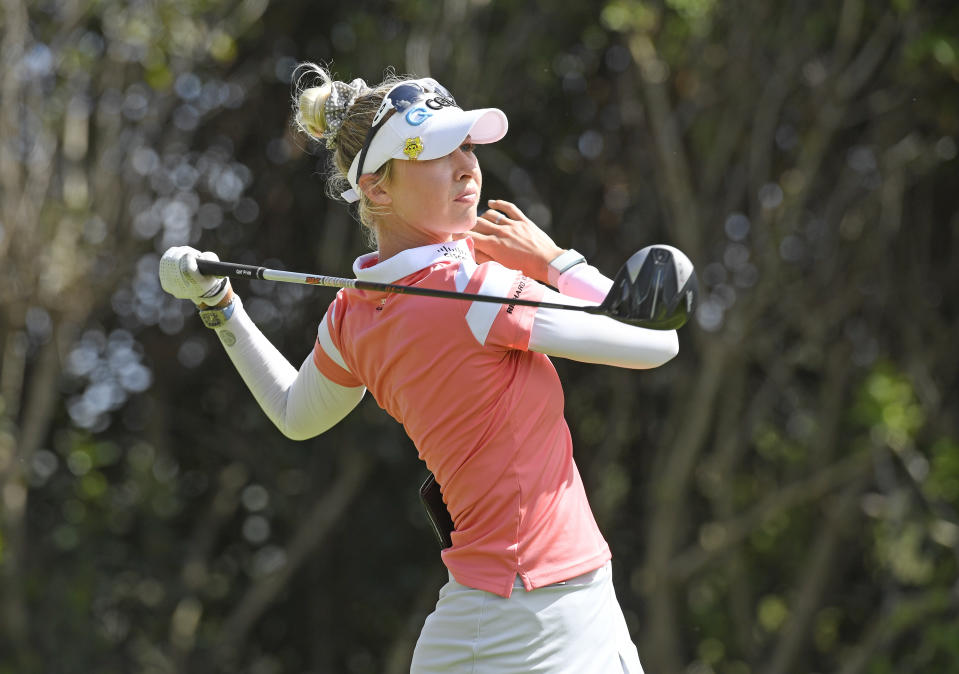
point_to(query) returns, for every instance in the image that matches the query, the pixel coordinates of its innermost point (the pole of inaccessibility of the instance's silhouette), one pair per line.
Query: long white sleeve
(584, 282)
(302, 403)
(596, 339)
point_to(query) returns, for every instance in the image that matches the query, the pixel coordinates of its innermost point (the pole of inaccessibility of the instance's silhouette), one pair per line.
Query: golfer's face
(438, 195)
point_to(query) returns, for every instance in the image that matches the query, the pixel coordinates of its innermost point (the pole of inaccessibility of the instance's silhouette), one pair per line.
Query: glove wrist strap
(215, 295)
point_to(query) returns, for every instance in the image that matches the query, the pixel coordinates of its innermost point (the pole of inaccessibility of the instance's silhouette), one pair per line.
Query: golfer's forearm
(598, 339)
(585, 282)
(301, 404)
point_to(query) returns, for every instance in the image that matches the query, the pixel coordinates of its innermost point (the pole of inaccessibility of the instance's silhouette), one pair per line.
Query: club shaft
(236, 270)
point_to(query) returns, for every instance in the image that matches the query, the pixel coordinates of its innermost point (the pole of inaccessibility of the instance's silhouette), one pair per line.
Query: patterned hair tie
(337, 105)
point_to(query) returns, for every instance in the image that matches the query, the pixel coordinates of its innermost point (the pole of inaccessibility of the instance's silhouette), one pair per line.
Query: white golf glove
(180, 277)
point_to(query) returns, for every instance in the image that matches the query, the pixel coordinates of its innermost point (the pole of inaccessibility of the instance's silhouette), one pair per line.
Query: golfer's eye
(468, 147)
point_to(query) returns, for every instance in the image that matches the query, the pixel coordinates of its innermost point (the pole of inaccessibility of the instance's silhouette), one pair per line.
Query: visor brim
(448, 131)
(440, 133)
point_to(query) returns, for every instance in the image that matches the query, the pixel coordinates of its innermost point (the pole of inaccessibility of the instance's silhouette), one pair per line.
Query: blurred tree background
(783, 497)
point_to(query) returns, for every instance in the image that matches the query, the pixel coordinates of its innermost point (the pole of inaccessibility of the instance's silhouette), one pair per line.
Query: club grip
(234, 269)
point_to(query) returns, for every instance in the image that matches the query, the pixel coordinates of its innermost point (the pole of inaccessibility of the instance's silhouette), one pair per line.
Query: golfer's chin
(463, 221)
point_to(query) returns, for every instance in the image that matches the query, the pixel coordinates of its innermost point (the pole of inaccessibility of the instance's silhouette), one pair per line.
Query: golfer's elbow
(667, 348)
(305, 430)
(298, 434)
(297, 429)
(300, 429)
(315, 407)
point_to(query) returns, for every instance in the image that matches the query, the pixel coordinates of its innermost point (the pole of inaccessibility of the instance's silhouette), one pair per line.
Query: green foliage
(888, 406)
(693, 10)
(624, 16)
(901, 551)
(805, 158)
(826, 635)
(772, 612)
(943, 482)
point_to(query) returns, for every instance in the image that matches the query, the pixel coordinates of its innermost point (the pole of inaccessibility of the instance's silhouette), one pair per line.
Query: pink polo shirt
(485, 414)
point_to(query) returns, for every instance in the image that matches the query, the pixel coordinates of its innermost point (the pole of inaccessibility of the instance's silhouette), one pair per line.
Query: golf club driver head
(656, 288)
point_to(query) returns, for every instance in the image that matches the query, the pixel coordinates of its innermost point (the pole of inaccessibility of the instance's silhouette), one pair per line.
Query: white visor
(429, 128)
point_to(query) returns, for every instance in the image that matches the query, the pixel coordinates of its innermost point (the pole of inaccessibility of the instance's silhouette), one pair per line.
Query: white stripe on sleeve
(323, 335)
(481, 315)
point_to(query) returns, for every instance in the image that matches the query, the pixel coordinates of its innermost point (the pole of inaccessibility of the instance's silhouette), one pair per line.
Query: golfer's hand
(505, 234)
(180, 277)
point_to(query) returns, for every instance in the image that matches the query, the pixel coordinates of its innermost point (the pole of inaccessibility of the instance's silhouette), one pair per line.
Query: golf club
(656, 288)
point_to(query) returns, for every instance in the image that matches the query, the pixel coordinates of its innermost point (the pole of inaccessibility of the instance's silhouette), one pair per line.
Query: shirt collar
(368, 268)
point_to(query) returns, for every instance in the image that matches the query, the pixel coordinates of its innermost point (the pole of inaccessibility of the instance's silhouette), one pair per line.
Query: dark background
(782, 497)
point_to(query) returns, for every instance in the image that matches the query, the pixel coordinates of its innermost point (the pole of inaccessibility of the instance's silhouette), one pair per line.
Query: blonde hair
(345, 134)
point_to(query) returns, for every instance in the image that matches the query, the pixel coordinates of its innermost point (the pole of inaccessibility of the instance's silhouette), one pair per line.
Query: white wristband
(563, 262)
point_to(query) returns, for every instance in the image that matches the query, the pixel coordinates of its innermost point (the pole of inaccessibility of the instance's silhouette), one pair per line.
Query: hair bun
(311, 110)
(322, 104)
(341, 97)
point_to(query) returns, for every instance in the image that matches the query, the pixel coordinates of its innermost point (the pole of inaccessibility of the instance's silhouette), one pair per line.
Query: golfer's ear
(372, 186)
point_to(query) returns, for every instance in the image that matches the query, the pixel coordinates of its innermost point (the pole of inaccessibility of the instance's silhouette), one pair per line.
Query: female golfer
(530, 587)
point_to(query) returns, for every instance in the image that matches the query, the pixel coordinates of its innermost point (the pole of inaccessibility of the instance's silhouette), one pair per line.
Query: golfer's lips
(467, 196)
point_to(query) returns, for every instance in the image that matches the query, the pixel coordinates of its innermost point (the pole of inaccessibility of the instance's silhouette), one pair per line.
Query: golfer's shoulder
(492, 278)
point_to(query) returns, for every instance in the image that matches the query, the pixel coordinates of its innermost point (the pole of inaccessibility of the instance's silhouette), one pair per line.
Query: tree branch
(900, 616)
(696, 558)
(818, 568)
(326, 512)
(668, 498)
(677, 177)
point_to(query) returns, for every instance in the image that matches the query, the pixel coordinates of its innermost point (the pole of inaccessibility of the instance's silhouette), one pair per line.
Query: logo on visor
(417, 116)
(440, 102)
(413, 148)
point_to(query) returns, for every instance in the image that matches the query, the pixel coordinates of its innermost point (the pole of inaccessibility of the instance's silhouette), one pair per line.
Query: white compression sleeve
(301, 403)
(584, 282)
(591, 338)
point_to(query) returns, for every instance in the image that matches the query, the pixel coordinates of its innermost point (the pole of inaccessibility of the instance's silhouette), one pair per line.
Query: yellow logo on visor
(413, 148)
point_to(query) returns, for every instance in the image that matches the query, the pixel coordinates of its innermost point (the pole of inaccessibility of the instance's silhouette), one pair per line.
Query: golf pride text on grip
(214, 268)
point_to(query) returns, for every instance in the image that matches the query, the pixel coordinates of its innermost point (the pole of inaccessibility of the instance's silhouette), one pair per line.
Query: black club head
(656, 288)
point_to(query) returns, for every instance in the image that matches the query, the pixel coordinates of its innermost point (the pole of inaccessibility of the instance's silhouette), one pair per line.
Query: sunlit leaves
(222, 47)
(153, 32)
(901, 551)
(772, 612)
(695, 10)
(630, 15)
(888, 406)
(943, 482)
(711, 651)
(937, 50)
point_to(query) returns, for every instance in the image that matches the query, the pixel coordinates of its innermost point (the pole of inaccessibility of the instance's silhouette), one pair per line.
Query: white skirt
(574, 627)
